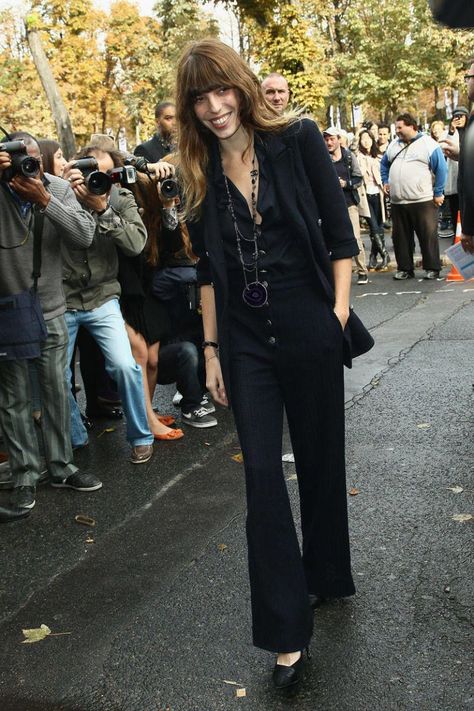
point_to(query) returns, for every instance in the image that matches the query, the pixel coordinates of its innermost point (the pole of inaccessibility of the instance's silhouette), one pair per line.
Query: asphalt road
(151, 605)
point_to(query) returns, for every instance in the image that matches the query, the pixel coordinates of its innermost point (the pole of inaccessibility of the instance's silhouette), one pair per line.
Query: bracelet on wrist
(205, 344)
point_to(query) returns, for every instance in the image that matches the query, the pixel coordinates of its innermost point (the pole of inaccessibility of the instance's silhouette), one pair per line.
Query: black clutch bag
(357, 339)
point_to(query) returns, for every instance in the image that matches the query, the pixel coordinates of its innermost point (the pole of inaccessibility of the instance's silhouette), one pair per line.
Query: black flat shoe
(284, 677)
(317, 600)
(106, 412)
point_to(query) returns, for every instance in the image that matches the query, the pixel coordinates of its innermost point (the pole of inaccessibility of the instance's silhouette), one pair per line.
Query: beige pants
(360, 259)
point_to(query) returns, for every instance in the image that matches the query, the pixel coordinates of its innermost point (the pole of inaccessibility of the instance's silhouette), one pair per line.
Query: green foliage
(111, 68)
(289, 45)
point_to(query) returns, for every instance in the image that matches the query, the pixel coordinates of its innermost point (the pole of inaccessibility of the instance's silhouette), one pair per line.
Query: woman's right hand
(214, 381)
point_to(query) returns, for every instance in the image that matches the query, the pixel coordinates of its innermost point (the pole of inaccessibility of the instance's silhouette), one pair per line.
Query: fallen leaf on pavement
(353, 491)
(240, 693)
(455, 489)
(222, 547)
(239, 458)
(107, 429)
(36, 634)
(462, 518)
(423, 425)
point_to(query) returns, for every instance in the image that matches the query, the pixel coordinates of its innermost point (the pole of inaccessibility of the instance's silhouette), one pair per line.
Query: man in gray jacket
(65, 222)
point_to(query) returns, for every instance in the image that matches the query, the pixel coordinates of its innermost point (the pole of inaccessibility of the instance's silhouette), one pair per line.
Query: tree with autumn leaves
(111, 68)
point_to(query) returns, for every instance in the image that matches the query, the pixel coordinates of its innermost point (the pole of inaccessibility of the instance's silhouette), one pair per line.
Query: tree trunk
(58, 109)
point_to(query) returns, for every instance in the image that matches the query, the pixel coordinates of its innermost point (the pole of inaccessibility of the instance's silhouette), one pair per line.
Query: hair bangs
(201, 74)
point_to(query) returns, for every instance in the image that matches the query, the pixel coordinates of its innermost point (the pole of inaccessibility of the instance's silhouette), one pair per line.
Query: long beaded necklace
(255, 292)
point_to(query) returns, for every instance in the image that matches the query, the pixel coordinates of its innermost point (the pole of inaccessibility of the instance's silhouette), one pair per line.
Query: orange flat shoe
(166, 419)
(171, 435)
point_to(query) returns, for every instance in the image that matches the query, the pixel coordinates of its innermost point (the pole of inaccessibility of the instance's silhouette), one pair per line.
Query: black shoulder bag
(22, 325)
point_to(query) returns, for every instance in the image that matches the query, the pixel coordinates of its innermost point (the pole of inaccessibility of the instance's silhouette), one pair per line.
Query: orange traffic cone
(454, 274)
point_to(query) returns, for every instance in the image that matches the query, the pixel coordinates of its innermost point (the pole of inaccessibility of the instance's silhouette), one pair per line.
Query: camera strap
(38, 217)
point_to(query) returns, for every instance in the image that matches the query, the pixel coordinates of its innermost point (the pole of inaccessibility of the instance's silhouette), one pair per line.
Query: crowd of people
(186, 263)
(131, 298)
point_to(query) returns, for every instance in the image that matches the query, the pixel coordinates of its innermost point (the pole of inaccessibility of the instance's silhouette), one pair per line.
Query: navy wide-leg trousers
(288, 356)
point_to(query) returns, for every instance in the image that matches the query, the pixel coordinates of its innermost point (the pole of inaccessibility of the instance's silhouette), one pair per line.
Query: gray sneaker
(199, 418)
(23, 497)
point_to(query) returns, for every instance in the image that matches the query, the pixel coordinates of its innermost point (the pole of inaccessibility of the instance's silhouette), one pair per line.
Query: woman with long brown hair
(268, 221)
(367, 157)
(146, 317)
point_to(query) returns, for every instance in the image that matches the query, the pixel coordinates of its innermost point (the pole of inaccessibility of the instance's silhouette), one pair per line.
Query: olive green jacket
(90, 275)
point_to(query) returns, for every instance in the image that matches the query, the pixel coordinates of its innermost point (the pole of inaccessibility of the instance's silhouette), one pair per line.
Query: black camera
(22, 163)
(169, 188)
(126, 175)
(139, 162)
(96, 182)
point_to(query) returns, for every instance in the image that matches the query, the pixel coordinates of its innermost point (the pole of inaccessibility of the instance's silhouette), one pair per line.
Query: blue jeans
(106, 326)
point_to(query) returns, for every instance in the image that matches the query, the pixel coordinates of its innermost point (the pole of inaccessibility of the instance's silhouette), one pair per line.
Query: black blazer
(313, 203)
(153, 150)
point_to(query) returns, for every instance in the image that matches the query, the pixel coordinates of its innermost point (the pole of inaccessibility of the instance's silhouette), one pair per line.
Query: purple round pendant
(255, 294)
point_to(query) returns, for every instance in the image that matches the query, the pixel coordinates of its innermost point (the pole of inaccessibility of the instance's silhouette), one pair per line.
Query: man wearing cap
(276, 91)
(350, 177)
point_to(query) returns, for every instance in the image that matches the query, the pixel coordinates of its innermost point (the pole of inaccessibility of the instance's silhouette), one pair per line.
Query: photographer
(26, 201)
(92, 291)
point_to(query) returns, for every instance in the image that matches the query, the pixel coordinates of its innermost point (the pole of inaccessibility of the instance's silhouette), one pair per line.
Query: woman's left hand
(342, 315)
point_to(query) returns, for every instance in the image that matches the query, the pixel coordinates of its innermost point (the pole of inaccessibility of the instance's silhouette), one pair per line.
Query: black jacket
(315, 209)
(466, 179)
(155, 149)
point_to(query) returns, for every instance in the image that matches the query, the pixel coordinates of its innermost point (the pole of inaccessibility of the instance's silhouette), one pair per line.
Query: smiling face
(219, 111)
(404, 132)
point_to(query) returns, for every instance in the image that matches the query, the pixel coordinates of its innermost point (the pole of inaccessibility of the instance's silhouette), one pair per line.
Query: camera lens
(169, 188)
(29, 167)
(98, 183)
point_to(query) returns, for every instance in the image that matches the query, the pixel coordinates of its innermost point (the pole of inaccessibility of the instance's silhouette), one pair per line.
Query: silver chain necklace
(255, 293)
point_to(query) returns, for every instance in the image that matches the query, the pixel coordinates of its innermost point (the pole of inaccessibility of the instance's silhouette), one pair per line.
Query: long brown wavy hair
(206, 65)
